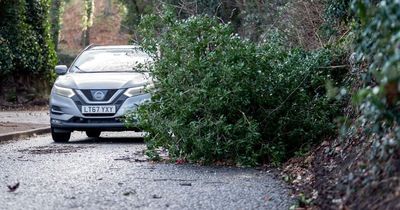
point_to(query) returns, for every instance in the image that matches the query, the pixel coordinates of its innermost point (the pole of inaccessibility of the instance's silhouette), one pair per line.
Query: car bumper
(68, 126)
(65, 115)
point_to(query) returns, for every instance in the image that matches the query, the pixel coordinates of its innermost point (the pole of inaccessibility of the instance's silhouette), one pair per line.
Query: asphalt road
(112, 173)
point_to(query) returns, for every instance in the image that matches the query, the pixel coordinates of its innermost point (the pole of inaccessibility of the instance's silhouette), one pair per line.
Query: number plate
(98, 109)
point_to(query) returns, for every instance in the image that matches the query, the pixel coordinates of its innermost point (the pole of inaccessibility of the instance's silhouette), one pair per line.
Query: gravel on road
(112, 173)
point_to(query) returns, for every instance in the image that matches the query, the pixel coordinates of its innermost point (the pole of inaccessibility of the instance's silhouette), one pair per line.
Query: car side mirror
(61, 69)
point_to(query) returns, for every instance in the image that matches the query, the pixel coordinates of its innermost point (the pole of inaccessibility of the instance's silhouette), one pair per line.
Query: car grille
(88, 94)
(118, 101)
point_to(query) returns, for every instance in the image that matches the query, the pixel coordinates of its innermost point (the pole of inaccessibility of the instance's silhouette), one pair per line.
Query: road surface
(112, 173)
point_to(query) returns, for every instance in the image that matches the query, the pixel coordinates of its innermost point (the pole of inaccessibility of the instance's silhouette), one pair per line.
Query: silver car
(95, 92)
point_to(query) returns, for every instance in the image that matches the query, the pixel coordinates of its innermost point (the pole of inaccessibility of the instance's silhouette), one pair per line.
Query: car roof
(114, 47)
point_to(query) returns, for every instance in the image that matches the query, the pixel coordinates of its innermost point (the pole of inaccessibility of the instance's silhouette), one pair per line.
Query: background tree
(134, 10)
(87, 21)
(56, 11)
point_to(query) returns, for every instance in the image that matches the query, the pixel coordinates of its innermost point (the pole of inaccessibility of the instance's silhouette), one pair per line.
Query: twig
(345, 33)
(245, 117)
(233, 11)
(334, 67)
(216, 10)
(313, 25)
(287, 98)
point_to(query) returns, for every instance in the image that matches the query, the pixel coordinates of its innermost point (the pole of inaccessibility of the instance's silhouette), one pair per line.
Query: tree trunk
(86, 37)
(55, 14)
(108, 8)
(89, 9)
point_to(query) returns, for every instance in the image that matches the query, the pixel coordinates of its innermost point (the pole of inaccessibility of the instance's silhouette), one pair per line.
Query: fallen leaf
(267, 198)
(156, 196)
(13, 188)
(132, 192)
(180, 161)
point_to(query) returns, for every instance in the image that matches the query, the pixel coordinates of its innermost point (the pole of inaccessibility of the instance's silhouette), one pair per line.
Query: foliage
(134, 11)
(6, 58)
(377, 46)
(222, 98)
(337, 11)
(26, 47)
(298, 20)
(226, 11)
(24, 26)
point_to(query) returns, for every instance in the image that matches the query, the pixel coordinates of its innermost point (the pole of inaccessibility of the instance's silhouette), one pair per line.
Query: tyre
(93, 134)
(60, 137)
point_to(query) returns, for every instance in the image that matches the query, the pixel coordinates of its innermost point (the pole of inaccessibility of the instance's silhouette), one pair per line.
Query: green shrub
(5, 58)
(337, 11)
(24, 26)
(222, 98)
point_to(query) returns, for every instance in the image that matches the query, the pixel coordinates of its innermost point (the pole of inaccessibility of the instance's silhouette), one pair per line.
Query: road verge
(24, 134)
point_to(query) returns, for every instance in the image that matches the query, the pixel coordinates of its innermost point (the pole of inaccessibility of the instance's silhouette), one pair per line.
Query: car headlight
(135, 91)
(66, 92)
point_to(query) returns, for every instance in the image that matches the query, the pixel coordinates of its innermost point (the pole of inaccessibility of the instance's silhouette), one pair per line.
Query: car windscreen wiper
(79, 69)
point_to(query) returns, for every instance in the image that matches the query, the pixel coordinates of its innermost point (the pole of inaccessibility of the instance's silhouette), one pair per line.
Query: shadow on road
(109, 140)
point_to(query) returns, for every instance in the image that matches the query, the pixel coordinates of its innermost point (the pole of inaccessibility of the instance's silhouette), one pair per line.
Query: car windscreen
(110, 61)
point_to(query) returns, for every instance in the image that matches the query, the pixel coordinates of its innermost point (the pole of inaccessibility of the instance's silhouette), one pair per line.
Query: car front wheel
(93, 134)
(60, 137)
